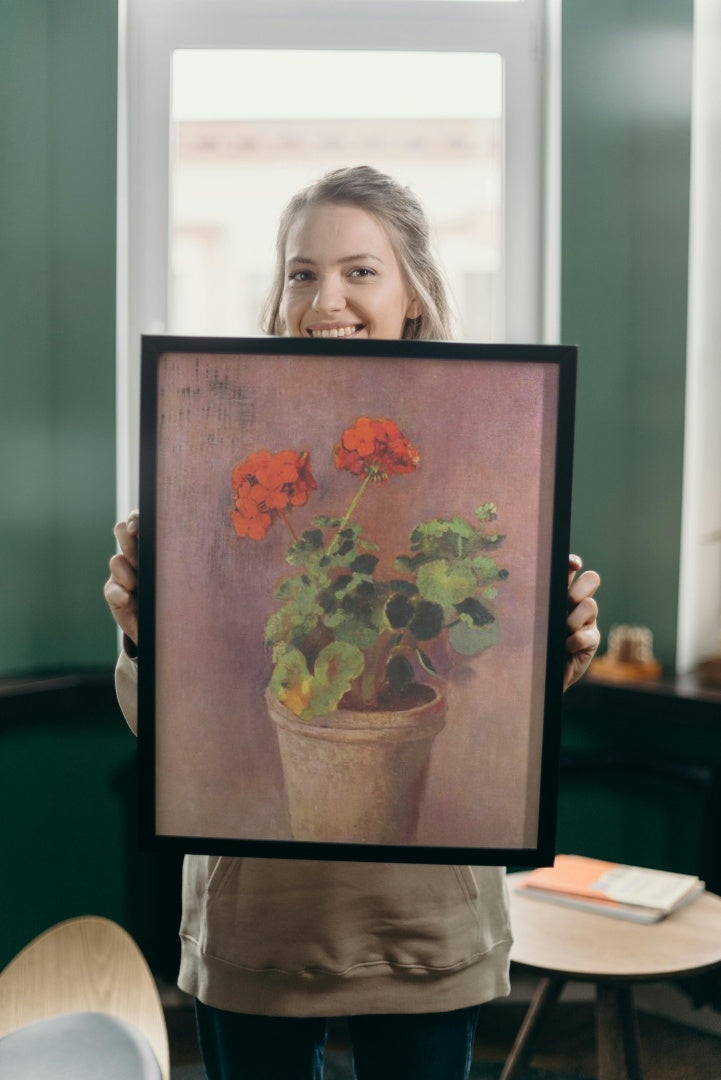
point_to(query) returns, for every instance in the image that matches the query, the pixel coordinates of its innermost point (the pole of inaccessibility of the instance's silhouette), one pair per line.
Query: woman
(271, 948)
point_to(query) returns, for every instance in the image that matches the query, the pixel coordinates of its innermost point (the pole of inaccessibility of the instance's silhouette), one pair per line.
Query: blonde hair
(403, 217)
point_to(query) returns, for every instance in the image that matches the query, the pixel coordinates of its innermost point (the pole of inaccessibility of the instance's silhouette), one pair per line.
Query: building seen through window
(233, 170)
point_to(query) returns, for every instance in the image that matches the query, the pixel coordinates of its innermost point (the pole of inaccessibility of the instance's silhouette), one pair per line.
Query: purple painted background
(485, 434)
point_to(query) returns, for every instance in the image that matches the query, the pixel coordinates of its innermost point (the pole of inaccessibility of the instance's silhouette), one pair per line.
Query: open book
(608, 888)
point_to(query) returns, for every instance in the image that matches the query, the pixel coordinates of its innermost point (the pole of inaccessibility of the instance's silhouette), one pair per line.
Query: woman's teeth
(337, 331)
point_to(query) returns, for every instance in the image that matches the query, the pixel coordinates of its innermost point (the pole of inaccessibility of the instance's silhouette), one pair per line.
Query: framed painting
(352, 597)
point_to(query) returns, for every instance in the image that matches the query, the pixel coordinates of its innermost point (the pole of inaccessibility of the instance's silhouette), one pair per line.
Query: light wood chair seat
(563, 944)
(84, 965)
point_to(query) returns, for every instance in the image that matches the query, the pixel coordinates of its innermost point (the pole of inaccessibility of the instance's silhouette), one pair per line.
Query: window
(236, 160)
(231, 104)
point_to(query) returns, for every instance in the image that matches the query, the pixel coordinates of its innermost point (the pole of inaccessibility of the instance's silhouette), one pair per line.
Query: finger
(585, 585)
(123, 608)
(584, 613)
(119, 599)
(126, 534)
(122, 571)
(584, 641)
(575, 563)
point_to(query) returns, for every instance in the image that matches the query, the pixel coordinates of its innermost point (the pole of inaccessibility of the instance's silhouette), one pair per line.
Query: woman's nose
(329, 296)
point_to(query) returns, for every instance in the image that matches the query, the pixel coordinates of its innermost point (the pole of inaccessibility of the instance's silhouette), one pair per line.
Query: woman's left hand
(583, 636)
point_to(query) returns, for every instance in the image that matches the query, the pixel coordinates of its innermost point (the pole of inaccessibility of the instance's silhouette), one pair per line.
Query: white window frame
(526, 34)
(699, 598)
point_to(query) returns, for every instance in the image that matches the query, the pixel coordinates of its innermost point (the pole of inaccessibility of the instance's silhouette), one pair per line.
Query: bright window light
(434, 121)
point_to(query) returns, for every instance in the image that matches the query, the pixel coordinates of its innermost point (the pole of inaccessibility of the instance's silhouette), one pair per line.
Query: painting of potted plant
(359, 656)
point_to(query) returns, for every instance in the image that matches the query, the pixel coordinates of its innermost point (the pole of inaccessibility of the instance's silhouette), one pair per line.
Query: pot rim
(419, 721)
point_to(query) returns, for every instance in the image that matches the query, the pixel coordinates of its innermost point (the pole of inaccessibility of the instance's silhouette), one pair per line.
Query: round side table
(563, 944)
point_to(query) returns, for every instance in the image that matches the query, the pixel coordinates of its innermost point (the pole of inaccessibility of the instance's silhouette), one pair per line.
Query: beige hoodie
(285, 937)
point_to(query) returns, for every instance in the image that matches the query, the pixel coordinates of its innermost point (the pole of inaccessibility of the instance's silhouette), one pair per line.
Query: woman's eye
(362, 272)
(300, 276)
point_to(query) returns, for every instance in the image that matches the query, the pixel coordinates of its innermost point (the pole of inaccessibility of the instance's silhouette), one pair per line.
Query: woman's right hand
(121, 587)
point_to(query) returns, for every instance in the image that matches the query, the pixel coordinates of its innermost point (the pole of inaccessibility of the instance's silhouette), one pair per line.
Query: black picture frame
(467, 426)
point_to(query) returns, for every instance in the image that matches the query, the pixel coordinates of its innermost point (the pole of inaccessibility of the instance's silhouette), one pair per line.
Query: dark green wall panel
(58, 77)
(626, 145)
(68, 803)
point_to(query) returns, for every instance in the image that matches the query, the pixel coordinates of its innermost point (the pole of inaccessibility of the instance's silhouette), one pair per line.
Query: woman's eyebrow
(361, 257)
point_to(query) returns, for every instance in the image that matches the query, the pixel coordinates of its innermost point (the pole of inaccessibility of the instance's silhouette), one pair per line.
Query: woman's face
(342, 277)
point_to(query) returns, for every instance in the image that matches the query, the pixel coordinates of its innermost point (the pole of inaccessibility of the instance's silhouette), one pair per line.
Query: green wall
(58, 72)
(67, 770)
(625, 200)
(626, 135)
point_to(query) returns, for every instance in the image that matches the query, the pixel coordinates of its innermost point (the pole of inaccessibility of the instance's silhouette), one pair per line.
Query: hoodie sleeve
(126, 688)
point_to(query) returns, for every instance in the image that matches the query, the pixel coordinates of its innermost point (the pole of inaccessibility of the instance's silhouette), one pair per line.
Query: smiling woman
(353, 259)
(338, 293)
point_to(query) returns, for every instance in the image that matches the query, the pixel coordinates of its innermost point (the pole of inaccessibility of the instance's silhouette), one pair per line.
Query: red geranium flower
(266, 484)
(376, 448)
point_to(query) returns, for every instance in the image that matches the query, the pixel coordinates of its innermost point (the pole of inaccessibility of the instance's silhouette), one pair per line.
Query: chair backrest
(87, 964)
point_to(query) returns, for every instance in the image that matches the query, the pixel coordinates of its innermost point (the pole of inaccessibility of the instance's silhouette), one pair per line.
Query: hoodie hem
(371, 989)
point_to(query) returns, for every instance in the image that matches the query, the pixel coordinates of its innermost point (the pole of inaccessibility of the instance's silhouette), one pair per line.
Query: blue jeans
(416, 1046)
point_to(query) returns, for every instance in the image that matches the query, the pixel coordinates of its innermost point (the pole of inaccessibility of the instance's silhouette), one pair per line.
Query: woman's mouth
(335, 331)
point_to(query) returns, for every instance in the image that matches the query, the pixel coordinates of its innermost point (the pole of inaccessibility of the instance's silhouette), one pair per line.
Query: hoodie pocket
(295, 916)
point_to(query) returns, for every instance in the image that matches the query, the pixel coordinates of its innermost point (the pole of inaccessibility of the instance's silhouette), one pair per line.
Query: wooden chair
(90, 971)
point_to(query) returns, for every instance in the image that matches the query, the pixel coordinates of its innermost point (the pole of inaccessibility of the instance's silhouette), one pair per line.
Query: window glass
(238, 154)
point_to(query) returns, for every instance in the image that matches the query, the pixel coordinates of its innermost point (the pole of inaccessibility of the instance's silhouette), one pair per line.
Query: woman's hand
(121, 587)
(583, 636)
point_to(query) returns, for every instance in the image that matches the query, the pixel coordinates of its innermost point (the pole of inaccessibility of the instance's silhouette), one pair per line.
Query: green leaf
(461, 527)
(398, 585)
(468, 640)
(428, 530)
(297, 589)
(446, 584)
(364, 564)
(486, 568)
(325, 522)
(408, 564)
(290, 679)
(288, 624)
(427, 622)
(477, 612)
(336, 666)
(399, 672)
(356, 632)
(399, 611)
(309, 695)
(313, 538)
(426, 662)
(487, 512)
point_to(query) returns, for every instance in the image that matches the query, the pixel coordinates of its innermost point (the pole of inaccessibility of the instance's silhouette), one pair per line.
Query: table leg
(545, 997)
(617, 1033)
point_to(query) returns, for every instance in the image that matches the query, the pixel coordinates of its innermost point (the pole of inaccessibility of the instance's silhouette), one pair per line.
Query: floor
(670, 1051)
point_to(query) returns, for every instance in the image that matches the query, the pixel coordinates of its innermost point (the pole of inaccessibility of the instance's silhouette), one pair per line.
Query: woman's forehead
(336, 230)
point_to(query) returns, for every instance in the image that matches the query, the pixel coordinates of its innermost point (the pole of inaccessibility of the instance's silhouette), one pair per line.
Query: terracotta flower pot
(356, 777)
